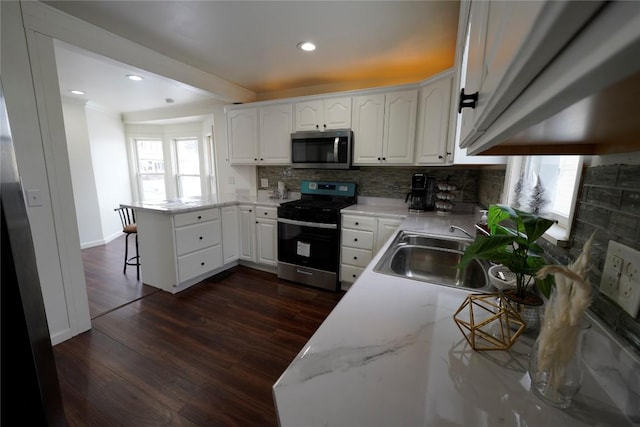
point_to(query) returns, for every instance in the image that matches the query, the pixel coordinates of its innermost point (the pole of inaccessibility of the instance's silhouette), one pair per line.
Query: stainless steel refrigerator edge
(30, 388)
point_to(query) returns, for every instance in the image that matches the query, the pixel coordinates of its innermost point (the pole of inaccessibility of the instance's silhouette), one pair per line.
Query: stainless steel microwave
(331, 149)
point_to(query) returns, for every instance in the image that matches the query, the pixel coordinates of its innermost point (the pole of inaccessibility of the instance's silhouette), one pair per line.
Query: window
(188, 168)
(170, 163)
(546, 185)
(151, 172)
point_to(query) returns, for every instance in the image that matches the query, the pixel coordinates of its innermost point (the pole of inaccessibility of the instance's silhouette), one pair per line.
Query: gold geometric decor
(488, 323)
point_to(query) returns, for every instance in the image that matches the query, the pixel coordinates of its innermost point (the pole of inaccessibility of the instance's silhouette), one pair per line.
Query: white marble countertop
(187, 205)
(390, 354)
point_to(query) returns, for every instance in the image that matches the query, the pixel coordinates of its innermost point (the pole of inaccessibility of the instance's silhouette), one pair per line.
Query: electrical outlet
(264, 182)
(620, 277)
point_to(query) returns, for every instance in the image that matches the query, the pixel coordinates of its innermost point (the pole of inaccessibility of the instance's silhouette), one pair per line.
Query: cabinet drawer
(263, 212)
(356, 257)
(349, 273)
(198, 263)
(358, 222)
(357, 239)
(199, 236)
(195, 217)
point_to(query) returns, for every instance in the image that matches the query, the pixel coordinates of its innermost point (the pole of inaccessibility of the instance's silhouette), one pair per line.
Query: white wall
(82, 176)
(110, 167)
(35, 116)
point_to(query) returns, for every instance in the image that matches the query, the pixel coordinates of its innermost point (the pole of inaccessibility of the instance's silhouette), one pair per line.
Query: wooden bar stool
(129, 227)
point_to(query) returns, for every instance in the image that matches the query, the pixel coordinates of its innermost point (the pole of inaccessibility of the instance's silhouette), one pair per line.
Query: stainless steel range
(309, 233)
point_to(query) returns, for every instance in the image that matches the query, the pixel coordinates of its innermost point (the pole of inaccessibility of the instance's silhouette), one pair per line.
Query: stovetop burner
(320, 202)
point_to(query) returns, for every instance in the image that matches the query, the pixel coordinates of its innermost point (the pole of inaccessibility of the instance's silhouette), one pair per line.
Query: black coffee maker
(421, 194)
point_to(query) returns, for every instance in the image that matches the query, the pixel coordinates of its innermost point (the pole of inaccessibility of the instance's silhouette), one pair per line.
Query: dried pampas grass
(564, 313)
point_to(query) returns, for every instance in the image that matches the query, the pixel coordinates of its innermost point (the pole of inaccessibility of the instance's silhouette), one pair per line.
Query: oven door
(308, 244)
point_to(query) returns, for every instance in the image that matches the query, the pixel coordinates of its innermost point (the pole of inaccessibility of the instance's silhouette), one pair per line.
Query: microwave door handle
(335, 149)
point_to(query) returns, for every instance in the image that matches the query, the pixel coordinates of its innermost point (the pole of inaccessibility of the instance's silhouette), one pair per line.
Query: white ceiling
(253, 44)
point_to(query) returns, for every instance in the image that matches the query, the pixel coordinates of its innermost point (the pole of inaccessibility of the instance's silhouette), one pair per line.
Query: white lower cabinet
(247, 215)
(230, 234)
(259, 234)
(362, 237)
(179, 250)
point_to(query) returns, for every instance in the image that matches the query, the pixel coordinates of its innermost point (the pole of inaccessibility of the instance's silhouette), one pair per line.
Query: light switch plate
(264, 182)
(621, 278)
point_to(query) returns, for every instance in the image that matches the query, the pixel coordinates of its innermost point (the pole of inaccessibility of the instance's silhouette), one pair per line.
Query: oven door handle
(307, 224)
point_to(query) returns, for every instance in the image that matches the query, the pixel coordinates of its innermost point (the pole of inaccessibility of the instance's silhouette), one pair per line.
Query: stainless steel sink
(433, 259)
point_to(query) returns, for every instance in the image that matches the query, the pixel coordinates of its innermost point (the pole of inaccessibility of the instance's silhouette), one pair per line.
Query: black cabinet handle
(467, 100)
(250, 210)
(355, 257)
(255, 159)
(378, 158)
(357, 223)
(317, 126)
(266, 213)
(325, 126)
(353, 275)
(355, 240)
(384, 158)
(199, 217)
(200, 237)
(441, 157)
(202, 263)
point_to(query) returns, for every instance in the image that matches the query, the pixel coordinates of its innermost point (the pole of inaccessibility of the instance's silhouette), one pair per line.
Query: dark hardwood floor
(107, 286)
(207, 356)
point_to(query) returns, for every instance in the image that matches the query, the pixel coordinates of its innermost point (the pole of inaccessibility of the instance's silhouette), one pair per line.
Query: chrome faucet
(455, 227)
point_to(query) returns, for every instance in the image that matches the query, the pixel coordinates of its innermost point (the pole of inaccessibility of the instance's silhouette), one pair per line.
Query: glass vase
(562, 378)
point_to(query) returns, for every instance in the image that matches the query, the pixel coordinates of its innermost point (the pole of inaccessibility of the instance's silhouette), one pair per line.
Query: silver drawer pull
(308, 273)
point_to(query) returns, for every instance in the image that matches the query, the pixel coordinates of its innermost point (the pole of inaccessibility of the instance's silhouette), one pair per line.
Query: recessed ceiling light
(77, 92)
(134, 77)
(306, 46)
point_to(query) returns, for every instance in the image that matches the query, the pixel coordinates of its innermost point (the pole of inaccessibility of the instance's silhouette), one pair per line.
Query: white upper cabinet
(434, 111)
(276, 125)
(242, 131)
(507, 45)
(260, 135)
(384, 128)
(322, 114)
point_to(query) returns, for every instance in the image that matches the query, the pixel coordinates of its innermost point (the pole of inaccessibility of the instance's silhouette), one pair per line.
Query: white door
(399, 127)
(368, 127)
(337, 113)
(247, 232)
(433, 125)
(309, 114)
(242, 129)
(276, 125)
(230, 236)
(267, 239)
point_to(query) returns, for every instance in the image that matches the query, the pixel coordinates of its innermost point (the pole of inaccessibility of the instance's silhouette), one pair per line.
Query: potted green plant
(512, 242)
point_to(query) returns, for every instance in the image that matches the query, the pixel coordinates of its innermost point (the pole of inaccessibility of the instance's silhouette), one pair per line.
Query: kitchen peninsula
(182, 242)
(391, 354)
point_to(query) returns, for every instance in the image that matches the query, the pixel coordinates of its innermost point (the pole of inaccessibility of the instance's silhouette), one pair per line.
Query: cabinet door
(399, 127)
(276, 124)
(337, 113)
(230, 236)
(267, 241)
(368, 127)
(242, 130)
(508, 45)
(247, 232)
(433, 125)
(309, 114)
(387, 227)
